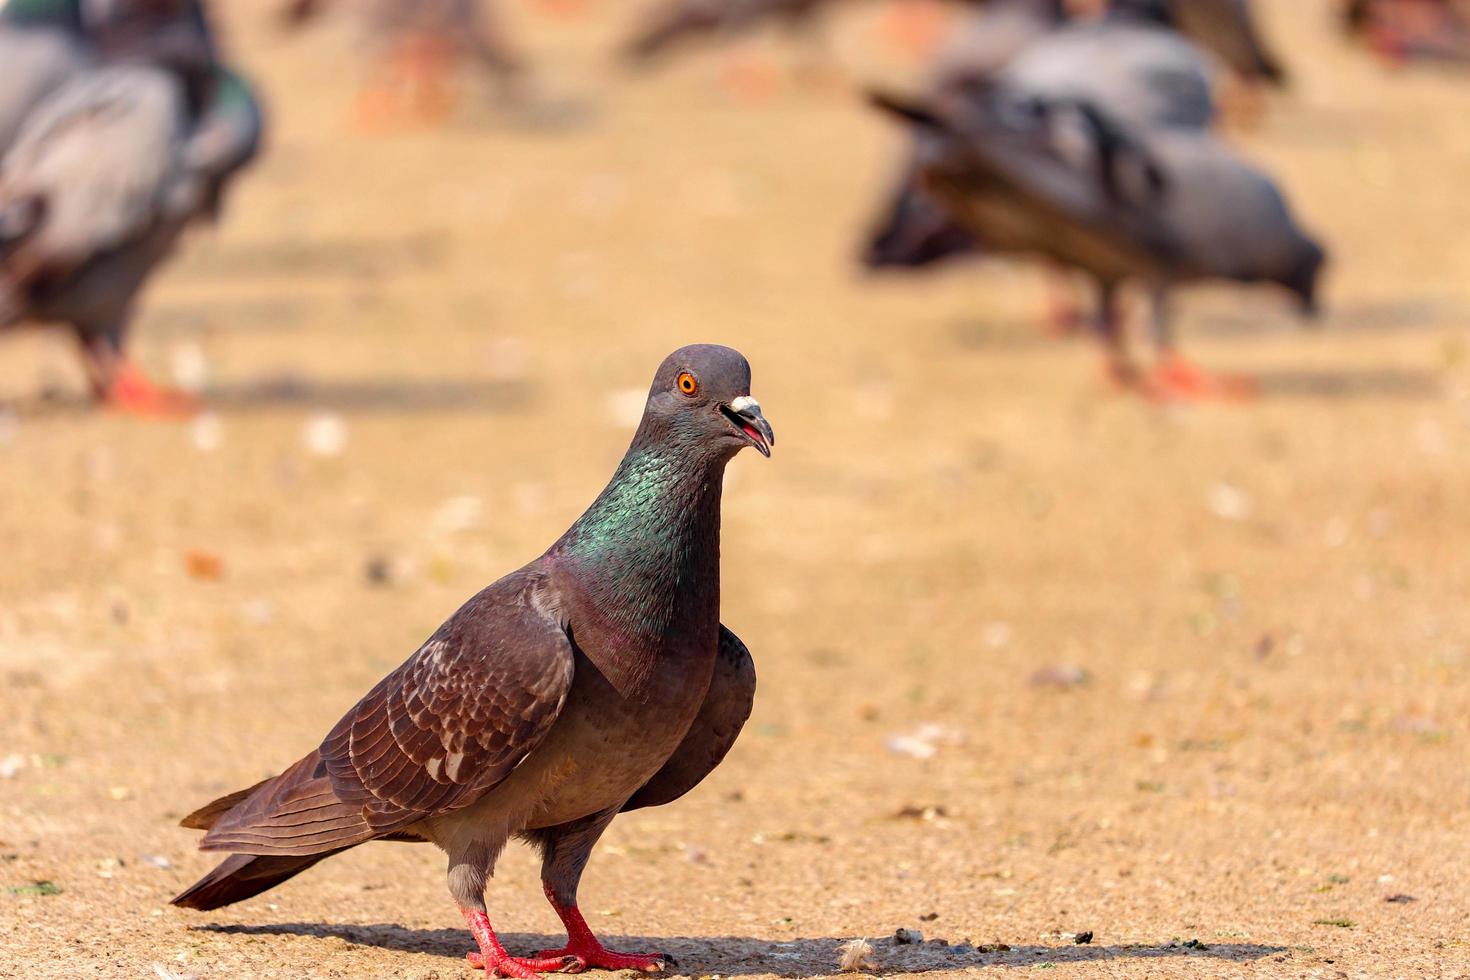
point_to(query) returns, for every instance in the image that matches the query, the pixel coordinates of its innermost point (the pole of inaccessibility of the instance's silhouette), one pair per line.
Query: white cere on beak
(745, 404)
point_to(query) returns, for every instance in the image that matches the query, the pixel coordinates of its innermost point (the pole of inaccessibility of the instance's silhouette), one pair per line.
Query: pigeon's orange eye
(687, 384)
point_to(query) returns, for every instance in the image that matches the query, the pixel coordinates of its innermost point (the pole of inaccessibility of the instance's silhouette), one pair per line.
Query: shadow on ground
(386, 395)
(747, 956)
(373, 395)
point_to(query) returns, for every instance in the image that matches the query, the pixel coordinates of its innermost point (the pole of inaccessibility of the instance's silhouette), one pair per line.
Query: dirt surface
(1191, 681)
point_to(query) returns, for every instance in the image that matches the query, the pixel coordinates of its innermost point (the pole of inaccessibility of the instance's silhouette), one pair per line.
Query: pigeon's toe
(527, 967)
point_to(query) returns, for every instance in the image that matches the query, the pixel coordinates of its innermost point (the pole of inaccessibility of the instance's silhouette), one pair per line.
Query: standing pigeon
(1065, 181)
(594, 680)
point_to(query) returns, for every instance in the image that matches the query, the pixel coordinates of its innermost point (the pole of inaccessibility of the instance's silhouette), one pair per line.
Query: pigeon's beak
(745, 414)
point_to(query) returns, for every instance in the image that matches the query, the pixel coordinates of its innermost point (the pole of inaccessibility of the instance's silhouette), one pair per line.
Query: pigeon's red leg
(493, 959)
(583, 945)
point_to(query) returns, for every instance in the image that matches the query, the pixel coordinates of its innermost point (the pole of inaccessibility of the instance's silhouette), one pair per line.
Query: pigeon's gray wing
(718, 724)
(1144, 75)
(432, 737)
(98, 156)
(460, 714)
(36, 61)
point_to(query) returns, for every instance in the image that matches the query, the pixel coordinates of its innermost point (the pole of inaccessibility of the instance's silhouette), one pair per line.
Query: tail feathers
(242, 876)
(206, 816)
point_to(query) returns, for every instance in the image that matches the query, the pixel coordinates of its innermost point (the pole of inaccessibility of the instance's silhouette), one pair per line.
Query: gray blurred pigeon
(1133, 63)
(1129, 61)
(1065, 181)
(103, 178)
(594, 680)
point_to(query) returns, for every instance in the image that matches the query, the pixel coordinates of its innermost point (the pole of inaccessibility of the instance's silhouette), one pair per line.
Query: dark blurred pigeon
(1063, 180)
(673, 22)
(102, 180)
(595, 680)
(1401, 31)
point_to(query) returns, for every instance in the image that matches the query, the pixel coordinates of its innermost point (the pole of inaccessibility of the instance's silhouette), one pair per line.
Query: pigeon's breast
(605, 747)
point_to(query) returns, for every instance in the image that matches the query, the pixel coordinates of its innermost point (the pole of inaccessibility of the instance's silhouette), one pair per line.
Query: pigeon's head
(701, 399)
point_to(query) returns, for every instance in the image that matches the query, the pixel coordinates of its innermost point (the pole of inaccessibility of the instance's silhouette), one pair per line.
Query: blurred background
(1041, 653)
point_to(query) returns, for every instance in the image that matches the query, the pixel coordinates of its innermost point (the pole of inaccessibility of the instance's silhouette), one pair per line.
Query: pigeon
(1132, 62)
(103, 179)
(1401, 31)
(418, 42)
(596, 679)
(1065, 181)
(1228, 30)
(674, 22)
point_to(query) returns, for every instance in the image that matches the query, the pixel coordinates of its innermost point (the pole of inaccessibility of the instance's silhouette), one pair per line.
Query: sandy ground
(1192, 681)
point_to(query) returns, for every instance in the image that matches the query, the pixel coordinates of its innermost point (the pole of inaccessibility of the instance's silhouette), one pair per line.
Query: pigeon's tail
(242, 876)
(208, 815)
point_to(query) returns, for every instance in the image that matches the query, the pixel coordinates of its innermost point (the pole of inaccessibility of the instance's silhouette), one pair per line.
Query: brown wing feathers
(433, 736)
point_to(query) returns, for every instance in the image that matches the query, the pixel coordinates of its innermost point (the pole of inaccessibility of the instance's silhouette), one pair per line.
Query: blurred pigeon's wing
(459, 715)
(726, 707)
(100, 153)
(35, 62)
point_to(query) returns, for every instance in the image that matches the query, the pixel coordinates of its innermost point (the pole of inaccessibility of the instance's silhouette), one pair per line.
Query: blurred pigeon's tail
(242, 876)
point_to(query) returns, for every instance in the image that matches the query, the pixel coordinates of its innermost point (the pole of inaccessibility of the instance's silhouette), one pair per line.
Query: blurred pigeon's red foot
(132, 393)
(1176, 379)
(584, 946)
(495, 961)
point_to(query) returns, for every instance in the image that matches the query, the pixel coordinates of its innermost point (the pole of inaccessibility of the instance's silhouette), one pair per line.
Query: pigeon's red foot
(495, 961)
(584, 946)
(526, 967)
(132, 393)
(595, 956)
(1177, 380)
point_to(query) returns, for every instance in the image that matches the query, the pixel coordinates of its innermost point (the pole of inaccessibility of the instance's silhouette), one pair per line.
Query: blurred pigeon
(418, 42)
(1228, 30)
(594, 680)
(1065, 181)
(674, 22)
(1400, 31)
(102, 180)
(1130, 61)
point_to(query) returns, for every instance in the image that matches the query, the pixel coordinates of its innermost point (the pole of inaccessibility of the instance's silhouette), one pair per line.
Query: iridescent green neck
(658, 503)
